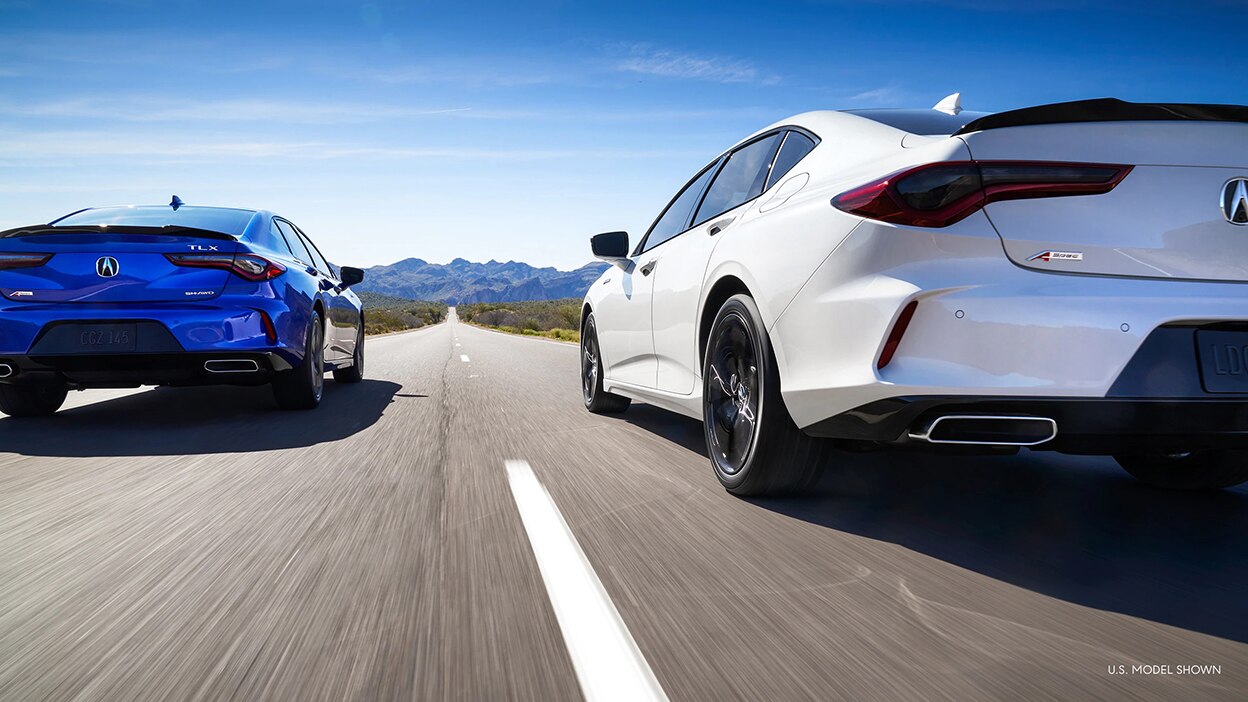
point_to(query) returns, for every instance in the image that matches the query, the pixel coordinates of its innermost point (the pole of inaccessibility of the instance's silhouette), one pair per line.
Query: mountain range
(463, 282)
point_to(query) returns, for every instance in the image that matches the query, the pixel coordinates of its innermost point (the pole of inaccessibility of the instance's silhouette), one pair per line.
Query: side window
(292, 240)
(321, 264)
(675, 218)
(795, 147)
(742, 178)
(278, 240)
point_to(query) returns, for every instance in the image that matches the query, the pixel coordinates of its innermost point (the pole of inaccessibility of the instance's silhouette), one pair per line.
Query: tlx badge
(1047, 256)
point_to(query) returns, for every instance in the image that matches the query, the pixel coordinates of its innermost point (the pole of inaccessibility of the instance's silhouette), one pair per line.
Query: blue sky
(514, 130)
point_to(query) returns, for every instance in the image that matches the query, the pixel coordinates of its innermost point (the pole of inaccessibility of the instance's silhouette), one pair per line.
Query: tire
(32, 400)
(301, 388)
(1198, 470)
(355, 372)
(755, 448)
(597, 400)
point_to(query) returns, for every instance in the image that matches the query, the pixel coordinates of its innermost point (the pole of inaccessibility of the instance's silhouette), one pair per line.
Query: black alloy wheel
(754, 446)
(732, 392)
(39, 400)
(301, 388)
(597, 400)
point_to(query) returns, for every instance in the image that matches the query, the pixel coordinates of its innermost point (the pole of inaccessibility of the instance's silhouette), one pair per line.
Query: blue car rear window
(214, 219)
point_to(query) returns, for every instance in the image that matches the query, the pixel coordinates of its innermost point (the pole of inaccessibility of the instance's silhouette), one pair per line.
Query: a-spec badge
(1047, 256)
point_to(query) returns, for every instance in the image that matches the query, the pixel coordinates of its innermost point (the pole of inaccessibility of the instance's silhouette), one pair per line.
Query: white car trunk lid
(1164, 220)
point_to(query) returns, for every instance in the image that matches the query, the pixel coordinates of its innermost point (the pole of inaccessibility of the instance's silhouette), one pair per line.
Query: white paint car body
(1048, 298)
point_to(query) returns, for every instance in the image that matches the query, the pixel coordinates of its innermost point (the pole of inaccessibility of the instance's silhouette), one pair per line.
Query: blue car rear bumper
(40, 342)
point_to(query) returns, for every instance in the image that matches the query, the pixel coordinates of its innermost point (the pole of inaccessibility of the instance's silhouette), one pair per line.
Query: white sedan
(1068, 277)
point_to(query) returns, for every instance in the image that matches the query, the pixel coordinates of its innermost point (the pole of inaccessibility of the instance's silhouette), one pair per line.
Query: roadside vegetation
(383, 313)
(553, 319)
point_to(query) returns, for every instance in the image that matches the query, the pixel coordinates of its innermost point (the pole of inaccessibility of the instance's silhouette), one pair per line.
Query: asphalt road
(200, 544)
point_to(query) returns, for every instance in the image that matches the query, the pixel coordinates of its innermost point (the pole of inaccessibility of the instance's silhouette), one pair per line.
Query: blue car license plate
(1223, 360)
(105, 337)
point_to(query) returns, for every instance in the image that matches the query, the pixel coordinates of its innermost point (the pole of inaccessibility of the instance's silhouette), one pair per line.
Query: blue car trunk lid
(112, 267)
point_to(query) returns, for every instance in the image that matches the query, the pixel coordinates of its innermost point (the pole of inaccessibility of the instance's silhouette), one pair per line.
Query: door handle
(645, 269)
(717, 227)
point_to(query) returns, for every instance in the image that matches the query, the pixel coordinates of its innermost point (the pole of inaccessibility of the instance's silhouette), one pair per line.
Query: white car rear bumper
(983, 327)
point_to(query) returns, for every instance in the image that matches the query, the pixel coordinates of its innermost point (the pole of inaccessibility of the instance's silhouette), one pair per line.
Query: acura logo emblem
(1235, 201)
(106, 267)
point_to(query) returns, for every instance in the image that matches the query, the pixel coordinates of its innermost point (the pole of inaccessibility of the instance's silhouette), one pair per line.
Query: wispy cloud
(642, 58)
(146, 108)
(129, 48)
(150, 109)
(61, 148)
(881, 96)
(475, 73)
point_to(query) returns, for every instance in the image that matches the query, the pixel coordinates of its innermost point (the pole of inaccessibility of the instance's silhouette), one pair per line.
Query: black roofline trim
(1107, 110)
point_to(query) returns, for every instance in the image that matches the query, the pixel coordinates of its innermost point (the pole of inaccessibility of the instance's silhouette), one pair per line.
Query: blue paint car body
(72, 294)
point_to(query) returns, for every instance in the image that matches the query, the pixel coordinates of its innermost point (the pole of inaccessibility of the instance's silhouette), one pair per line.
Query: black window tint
(214, 219)
(296, 245)
(741, 179)
(321, 264)
(795, 147)
(676, 216)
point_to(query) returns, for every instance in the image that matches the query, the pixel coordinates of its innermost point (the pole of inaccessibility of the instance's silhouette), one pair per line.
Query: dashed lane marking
(608, 664)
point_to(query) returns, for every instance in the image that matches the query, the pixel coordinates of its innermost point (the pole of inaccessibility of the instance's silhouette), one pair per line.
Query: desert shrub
(383, 314)
(555, 319)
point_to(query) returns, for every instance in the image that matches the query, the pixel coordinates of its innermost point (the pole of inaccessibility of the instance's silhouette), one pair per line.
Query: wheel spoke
(589, 364)
(732, 394)
(719, 380)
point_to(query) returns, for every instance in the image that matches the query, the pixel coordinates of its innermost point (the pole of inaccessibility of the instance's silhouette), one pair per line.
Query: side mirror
(351, 276)
(611, 246)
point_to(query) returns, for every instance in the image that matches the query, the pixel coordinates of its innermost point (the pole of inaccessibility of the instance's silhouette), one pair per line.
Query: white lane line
(608, 664)
(463, 358)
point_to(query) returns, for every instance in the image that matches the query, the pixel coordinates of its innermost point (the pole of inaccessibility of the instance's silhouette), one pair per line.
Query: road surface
(199, 544)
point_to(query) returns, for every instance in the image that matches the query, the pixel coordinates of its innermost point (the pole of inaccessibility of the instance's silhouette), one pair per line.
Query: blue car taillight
(246, 266)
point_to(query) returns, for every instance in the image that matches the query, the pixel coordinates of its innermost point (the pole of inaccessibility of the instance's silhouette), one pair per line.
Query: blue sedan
(172, 295)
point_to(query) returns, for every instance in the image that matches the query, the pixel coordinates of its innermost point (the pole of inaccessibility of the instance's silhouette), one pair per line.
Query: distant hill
(463, 282)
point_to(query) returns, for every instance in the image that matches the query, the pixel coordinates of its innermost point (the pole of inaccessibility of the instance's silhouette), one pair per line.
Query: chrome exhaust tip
(6, 370)
(987, 430)
(231, 365)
